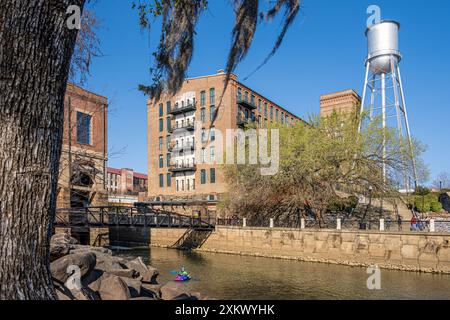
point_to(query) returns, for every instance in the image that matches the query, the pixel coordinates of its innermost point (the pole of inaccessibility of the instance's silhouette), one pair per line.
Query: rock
(63, 238)
(85, 261)
(134, 286)
(58, 250)
(175, 291)
(151, 290)
(108, 262)
(124, 273)
(148, 273)
(76, 248)
(112, 287)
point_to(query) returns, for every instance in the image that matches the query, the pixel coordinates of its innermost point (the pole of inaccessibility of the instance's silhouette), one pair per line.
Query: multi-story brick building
(125, 181)
(346, 101)
(183, 160)
(84, 152)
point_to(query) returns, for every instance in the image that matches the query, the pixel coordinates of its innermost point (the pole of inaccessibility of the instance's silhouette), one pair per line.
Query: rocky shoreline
(90, 273)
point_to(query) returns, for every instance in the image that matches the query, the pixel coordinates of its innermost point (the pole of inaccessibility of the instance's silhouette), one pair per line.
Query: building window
(203, 135)
(212, 175)
(160, 143)
(177, 185)
(212, 96)
(203, 155)
(212, 134)
(83, 128)
(168, 142)
(182, 185)
(203, 176)
(169, 123)
(212, 112)
(161, 125)
(168, 107)
(212, 154)
(161, 181)
(239, 94)
(203, 115)
(161, 161)
(271, 113)
(276, 112)
(265, 109)
(282, 118)
(246, 96)
(169, 180)
(168, 159)
(202, 98)
(259, 105)
(193, 184)
(161, 109)
(252, 101)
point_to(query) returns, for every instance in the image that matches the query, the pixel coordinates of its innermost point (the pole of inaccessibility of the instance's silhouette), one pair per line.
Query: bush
(421, 191)
(343, 205)
(436, 206)
(422, 205)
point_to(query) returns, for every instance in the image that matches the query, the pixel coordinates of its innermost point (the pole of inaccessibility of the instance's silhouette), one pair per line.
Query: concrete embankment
(409, 251)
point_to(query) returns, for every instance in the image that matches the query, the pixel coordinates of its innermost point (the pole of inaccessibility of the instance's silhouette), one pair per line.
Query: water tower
(383, 93)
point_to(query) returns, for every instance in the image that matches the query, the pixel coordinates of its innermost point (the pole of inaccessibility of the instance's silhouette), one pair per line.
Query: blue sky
(324, 51)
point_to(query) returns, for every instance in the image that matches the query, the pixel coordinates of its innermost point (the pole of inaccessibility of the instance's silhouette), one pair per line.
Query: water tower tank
(382, 39)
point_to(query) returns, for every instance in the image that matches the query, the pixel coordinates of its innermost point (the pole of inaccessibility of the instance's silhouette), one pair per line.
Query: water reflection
(224, 276)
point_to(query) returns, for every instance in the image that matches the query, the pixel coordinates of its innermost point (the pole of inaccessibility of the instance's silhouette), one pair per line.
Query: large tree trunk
(35, 51)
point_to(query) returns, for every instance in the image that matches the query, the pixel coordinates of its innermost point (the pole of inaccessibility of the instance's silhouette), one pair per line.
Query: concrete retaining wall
(393, 250)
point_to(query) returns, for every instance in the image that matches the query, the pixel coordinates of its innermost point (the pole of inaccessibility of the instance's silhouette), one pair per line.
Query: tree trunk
(35, 51)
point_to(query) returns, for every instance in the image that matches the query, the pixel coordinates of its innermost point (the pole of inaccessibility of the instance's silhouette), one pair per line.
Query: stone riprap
(106, 277)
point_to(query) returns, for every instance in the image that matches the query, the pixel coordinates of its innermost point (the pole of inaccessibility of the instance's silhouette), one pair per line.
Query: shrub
(421, 191)
(422, 205)
(436, 206)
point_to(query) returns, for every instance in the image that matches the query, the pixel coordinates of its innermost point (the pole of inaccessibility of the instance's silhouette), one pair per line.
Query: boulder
(175, 291)
(58, 250)
(124, 273)
(134, 286)
(107, 262)
(85, 261)
(111, 287)
(148, 273)
(151, 290)
(63, 238)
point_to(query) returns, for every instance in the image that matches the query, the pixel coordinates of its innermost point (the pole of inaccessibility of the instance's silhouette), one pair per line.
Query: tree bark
(35, 52)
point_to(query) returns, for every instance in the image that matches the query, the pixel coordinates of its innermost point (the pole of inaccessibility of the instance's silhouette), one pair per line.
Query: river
(223, 276)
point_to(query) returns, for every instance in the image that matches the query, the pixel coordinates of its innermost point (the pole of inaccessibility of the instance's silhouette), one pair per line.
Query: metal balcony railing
(190, 125)
(185, 146)
(246, 104)
(186, 108)
(183, 167)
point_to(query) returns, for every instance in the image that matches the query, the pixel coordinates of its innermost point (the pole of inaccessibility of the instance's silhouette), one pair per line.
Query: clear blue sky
(324, 51)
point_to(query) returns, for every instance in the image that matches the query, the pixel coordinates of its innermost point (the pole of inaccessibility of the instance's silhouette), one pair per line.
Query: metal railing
(127, 216)
(432, 225)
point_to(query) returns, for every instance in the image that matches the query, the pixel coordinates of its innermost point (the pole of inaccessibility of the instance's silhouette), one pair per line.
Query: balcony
(246, 104)
(183, 167)
(189, 126)
(186, 146)
(189, 107)
(242, 122)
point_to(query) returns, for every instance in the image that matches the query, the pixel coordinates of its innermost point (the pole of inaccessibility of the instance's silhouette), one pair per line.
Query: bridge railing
(128, 216)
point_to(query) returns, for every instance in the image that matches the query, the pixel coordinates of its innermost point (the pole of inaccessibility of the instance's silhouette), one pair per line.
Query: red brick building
(82, 174)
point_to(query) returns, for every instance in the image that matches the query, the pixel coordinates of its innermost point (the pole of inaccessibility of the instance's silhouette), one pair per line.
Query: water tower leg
(399, 111)
(372, 97)
(408, 131)
(366, 79)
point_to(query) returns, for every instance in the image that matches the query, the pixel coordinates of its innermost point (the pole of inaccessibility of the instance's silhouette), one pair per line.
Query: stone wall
(393, 250)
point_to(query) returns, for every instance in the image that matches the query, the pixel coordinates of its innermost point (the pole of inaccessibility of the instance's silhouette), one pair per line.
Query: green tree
(318, 163)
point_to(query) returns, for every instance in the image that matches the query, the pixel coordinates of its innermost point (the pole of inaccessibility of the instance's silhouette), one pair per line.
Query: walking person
(413, 224)
(388, 223)
(399, 223)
